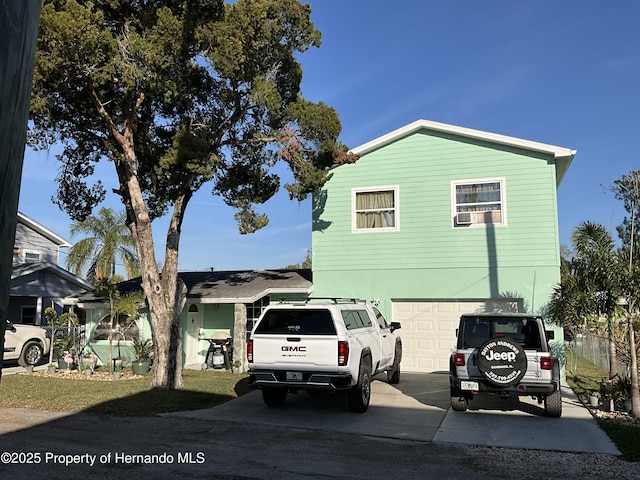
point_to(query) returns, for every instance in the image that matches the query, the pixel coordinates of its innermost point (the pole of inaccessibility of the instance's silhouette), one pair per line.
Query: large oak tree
(178, 95)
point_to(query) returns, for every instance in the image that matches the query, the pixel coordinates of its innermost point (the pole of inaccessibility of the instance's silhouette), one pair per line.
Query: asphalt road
(220, 445)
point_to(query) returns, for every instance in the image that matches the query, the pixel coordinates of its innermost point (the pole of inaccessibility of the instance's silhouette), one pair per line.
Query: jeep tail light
(458, 359)
(250, 351)
(343, 353)
(546, 363)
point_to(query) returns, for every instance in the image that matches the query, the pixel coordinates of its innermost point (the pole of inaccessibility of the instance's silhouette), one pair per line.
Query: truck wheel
(360, 394)
(274, 397)
(31, 354)
(502, 361)
(553, 404)
(393, 374)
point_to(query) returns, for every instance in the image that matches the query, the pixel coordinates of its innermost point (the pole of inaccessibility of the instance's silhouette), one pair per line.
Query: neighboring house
(37, 281)
(226, 302)
(436, 220)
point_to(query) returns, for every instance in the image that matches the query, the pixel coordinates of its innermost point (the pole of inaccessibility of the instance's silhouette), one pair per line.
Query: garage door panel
(428, 331)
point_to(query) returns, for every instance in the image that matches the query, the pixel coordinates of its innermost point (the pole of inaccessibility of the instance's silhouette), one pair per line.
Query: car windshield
(477, 330)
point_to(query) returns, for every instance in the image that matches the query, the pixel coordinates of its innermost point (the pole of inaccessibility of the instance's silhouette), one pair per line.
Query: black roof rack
(337, 299)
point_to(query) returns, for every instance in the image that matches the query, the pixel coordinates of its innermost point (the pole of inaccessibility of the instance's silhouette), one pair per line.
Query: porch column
(240, 334)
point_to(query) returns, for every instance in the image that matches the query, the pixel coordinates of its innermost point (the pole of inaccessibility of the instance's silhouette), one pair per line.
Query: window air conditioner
(464, 218)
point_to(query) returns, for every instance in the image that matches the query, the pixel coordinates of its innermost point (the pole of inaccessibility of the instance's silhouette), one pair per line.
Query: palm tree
(599, 277)
(590, 284)
(108, 240)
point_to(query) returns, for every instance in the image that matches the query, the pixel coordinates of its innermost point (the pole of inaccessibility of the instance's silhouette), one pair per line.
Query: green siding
(427, 257)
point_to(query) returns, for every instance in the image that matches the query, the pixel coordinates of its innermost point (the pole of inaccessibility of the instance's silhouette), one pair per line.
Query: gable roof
(25, 269)
(237, 286)
(42, 230)
(562, 155)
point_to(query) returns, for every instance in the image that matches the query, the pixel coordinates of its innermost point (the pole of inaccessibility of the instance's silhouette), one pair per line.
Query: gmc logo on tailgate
(286, 348)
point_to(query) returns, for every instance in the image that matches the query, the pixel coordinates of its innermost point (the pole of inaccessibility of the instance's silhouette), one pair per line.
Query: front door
(195, 348)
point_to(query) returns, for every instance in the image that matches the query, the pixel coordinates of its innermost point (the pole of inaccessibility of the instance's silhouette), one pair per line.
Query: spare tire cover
(502, 361)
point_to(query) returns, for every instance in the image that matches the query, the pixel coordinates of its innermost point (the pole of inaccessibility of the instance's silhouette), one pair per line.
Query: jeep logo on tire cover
(502, 361)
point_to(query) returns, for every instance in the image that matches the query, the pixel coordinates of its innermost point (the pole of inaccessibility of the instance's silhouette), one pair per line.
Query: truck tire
(360, 394)
(502, 361)
(393, 374)
(553, 404)
(31, 354)
(274, 397)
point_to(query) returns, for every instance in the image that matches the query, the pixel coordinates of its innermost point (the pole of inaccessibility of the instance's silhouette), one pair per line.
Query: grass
(202, 389)
(585, 377)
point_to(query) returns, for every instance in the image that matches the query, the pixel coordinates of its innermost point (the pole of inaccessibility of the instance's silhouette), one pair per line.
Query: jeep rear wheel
(274, 397)
(502, 361)
(553, 404)
(360, 394)
(459, 402)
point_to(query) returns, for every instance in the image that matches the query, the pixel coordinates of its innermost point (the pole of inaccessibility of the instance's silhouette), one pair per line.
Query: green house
(218, 303)
(436, 220)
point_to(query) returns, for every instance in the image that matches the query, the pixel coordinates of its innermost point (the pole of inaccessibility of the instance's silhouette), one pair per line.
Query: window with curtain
(375, 209)
(483, 199)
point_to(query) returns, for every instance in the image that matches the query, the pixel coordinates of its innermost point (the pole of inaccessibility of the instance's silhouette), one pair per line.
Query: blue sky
(565, 73)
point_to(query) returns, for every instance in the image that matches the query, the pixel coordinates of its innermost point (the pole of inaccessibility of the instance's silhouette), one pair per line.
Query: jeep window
(476, 332)
(521, 330)
(297, 322)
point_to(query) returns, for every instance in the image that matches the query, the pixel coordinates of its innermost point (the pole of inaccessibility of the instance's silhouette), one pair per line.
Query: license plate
(294, 376)
(469, 385)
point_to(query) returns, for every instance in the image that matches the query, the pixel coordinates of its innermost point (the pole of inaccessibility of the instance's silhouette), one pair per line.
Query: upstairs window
(32, 256)
(478, 202)
(375, 209)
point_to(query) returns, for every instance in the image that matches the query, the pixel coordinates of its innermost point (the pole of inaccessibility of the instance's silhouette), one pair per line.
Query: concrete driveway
(418, 409)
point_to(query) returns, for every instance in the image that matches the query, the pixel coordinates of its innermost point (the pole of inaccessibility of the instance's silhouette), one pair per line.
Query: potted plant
(236, 366)
(117, 371)
(142, 349)
(594, 398)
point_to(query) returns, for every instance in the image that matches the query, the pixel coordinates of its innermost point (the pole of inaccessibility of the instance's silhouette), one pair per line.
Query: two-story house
(37, 281)
(436, 220)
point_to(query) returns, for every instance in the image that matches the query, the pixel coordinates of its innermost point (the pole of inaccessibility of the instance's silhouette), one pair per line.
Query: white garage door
(429, 331)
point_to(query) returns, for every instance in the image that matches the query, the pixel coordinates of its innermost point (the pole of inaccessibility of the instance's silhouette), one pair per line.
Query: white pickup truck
(331, 345)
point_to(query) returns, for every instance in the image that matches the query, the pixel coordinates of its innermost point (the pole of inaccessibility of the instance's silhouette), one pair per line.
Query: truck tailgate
(304, 352)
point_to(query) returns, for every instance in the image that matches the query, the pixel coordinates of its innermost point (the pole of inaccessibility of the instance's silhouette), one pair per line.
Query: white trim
(503, 201)
(42, 230)
(396, 208)
(557, 152)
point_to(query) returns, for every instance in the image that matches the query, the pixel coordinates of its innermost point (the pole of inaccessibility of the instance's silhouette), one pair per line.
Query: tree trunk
(164, 293)
(613, 361)
(633, 372)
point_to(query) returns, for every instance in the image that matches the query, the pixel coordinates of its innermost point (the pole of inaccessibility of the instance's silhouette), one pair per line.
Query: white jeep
(25, 343)
(504, 354)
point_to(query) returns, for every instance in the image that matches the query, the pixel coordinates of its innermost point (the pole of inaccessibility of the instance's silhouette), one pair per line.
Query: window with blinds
(375, 209)
(478, 202)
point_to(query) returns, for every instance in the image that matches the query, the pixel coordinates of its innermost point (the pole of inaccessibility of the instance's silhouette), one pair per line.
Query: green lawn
(585, 377)
(126, 397)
